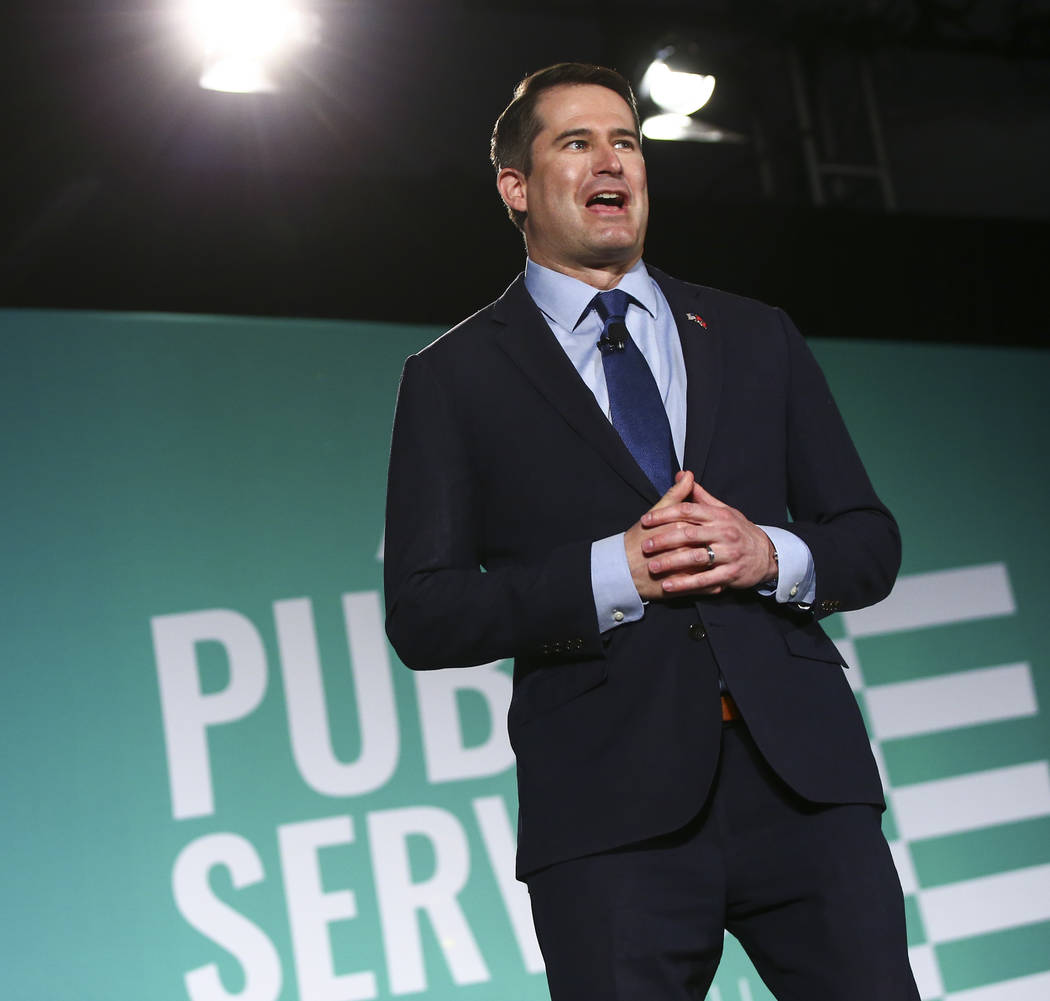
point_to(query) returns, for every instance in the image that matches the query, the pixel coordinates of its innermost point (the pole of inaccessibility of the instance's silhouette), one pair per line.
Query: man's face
(586, 195)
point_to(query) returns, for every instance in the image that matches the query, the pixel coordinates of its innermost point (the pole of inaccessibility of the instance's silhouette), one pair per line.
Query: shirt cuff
(616, 598)
(797, 583)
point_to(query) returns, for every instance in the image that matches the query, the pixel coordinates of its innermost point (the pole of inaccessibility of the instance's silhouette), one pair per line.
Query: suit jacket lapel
(702, 350)
(525, 336)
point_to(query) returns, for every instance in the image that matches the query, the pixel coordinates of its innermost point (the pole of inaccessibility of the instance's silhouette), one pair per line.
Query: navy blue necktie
(635, 405)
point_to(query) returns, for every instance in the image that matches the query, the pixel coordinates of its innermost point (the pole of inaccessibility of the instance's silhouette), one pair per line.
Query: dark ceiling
(362, 189)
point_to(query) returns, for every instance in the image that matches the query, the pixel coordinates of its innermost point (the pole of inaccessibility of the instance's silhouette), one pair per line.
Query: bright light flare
(682, 128)
(243, 40)
(237, 76)
(674, 91)
(670, 127)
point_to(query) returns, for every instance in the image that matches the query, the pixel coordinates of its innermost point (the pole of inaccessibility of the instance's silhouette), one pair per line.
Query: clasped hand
(667, 548)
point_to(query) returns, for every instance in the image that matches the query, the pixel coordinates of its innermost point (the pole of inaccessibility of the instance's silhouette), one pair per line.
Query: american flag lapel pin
(697, 318)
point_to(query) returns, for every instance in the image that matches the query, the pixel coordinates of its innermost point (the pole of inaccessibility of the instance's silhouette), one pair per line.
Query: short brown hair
(519, 124)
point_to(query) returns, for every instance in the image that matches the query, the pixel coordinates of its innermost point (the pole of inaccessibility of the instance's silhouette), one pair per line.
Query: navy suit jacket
(503, 471)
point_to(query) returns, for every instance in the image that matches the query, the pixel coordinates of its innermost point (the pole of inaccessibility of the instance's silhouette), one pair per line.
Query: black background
(362, 189)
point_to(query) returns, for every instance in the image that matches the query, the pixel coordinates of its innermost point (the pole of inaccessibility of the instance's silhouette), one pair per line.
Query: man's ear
(512, 184)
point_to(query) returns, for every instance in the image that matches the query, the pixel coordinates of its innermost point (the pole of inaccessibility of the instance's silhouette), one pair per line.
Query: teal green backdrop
(219, 783)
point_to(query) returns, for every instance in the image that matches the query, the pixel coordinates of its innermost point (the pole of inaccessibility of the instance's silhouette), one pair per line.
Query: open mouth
(607, 200)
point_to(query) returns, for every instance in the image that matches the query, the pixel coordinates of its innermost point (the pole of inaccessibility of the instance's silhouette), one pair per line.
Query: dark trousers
(809, 891)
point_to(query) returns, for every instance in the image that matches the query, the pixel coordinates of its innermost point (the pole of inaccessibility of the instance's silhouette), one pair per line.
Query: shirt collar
(565, 299)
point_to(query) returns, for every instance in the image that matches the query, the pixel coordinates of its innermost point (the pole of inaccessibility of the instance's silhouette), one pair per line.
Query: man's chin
(621, 238)
(615, 252)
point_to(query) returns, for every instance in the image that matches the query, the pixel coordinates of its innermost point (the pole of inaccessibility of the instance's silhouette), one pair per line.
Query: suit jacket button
(697, 632)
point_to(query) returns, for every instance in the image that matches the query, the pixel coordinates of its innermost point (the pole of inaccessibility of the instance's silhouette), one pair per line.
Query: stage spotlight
(244, 41)
(673, 84)
(676, 84)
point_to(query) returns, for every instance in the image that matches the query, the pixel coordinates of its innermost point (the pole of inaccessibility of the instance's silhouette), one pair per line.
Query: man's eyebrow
(572, 132)
(585, 133)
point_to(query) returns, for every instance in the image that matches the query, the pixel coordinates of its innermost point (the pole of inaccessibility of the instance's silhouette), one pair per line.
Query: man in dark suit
(690, 757)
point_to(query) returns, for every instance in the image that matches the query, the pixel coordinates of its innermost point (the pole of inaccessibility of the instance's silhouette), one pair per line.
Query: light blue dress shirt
(565, 303)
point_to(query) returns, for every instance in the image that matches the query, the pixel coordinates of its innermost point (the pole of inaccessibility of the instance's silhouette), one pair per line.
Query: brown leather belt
(729, 709)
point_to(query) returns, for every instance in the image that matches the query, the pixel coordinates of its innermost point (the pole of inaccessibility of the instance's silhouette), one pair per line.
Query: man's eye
(625, 144)
(576, 144)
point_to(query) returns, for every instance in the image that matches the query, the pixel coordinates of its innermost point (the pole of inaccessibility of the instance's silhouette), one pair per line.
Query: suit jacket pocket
(811, 641)
(547, 688)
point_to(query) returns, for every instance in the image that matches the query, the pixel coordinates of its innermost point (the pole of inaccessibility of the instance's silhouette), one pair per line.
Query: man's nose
(607, 160)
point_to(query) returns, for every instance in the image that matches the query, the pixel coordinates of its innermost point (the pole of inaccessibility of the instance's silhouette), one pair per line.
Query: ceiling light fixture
(245, 41)
(673, 88)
